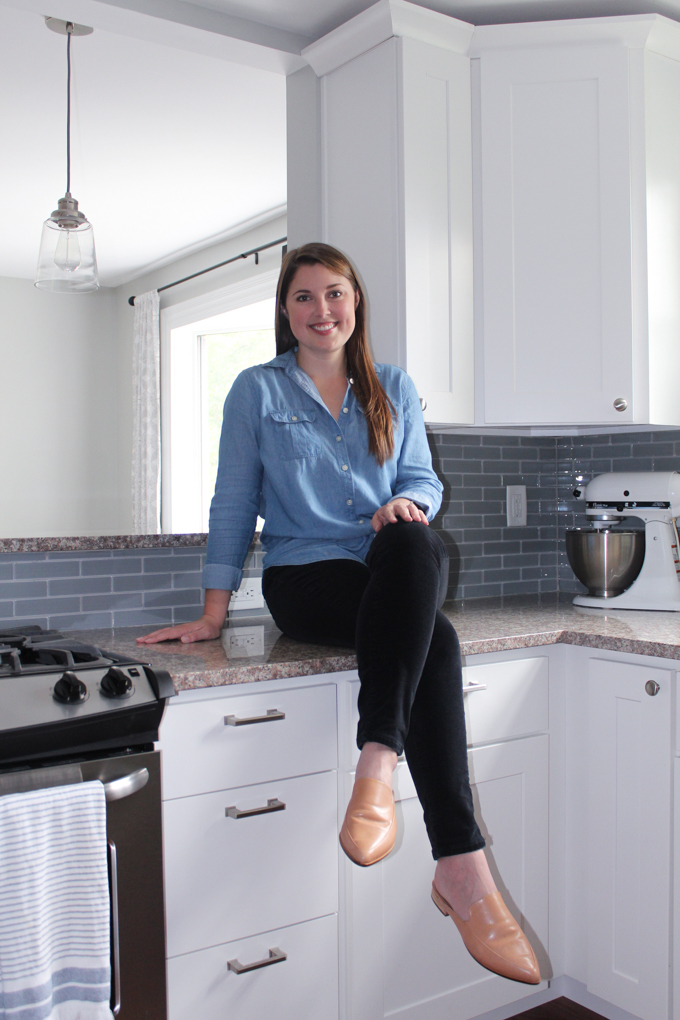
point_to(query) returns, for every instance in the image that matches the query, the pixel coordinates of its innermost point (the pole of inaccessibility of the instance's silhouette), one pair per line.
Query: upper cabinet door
(556, 236)
(437, 190)
(396, 183)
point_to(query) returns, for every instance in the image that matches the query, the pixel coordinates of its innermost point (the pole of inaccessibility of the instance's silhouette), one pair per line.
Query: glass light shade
(67, 262)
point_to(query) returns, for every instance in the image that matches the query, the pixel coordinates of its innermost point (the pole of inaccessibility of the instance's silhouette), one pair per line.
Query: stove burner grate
(30, 650)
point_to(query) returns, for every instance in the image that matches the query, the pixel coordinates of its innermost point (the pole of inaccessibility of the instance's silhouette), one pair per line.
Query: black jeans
(408, 654)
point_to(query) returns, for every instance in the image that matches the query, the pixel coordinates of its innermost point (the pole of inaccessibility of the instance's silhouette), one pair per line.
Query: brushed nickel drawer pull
(276, 955)
(274, 804)
(652, 688)
(472, 686)
(272, 715)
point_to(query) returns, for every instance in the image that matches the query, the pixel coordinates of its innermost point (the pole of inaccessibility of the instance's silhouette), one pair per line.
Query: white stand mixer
(654, 497)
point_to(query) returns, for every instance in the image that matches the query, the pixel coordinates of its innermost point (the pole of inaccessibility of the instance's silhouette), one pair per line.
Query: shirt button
(294, 418)
(338, 439)
(345, 410)
(345, 468)
(361, 520)
(349, 502)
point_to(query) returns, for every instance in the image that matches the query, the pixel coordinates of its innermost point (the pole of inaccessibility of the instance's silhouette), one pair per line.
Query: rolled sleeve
(238, 489)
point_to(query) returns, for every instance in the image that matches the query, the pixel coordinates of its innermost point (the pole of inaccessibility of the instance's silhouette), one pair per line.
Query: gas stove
(60, 697)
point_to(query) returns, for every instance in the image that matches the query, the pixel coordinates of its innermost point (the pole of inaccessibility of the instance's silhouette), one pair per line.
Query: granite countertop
(483, 625)
(95, 543)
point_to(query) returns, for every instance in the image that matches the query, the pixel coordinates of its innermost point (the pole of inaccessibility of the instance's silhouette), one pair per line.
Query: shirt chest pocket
(295, 434)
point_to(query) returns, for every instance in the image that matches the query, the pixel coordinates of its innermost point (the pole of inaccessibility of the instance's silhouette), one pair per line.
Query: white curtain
(146, 432)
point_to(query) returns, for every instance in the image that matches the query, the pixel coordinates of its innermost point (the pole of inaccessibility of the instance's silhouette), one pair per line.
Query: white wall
(58, 412)
(66, 392)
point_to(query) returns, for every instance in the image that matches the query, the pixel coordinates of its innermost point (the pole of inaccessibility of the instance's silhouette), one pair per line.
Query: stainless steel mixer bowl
(606, 561)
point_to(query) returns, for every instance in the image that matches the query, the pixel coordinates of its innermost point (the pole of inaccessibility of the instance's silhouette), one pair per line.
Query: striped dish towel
(54, 905)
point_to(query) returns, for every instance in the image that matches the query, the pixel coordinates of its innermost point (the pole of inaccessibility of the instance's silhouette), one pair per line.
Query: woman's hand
(206, 629)
(397, 509)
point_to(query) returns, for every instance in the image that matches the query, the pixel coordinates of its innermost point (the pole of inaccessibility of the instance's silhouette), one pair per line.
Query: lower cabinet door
(297, 977)
(405, 959)
(629, 836)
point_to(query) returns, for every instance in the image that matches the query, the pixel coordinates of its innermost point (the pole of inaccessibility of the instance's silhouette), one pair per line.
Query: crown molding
(635, 31)
(382, 21)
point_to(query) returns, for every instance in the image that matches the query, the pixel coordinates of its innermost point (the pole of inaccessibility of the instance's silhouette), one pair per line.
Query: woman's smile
(323, 327)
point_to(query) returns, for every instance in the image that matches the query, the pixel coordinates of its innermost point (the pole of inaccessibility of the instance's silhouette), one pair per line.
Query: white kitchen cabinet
(214, 742)
(580, 221)
(395, 188)
(251, 850)
(403, 956)
(304, 985)
(503, 700)
(599, 788)
(234, 874)
(629, 839)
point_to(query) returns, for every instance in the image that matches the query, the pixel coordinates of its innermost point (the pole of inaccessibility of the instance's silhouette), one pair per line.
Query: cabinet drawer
(229, 878)
(305, 984)
(514, 703)
(203, 753)
(511, 701)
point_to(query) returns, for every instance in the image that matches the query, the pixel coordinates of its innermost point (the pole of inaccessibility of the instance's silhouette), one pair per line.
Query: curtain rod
(243, 255)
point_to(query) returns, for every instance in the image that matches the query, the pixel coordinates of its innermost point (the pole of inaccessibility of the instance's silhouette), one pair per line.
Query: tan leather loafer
(494, 938)
(370, 826)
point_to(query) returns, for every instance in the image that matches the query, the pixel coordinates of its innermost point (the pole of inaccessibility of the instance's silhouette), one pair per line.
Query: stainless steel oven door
(134, 831)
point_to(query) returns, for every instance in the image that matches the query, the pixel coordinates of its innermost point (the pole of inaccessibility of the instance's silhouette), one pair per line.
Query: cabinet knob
(423, 403)
(652, 688)
(620, 404)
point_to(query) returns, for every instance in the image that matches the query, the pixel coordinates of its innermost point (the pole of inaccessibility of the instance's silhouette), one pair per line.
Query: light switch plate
(516, 505)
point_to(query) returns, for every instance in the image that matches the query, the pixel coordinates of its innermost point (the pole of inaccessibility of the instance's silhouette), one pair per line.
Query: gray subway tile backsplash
(154, 587)
(475, 470)
(101, 589)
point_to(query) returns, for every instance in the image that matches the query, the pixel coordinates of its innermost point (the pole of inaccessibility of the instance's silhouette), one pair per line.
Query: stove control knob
(69, 690)
(116, 684)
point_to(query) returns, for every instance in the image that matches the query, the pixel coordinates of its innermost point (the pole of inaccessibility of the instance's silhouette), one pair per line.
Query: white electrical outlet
(516, 505)
(243, 642)
(249, 595)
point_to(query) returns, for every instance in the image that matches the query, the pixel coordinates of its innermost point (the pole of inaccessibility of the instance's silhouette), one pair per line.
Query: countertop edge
(234, 675)
(92, 543)
(244, 674)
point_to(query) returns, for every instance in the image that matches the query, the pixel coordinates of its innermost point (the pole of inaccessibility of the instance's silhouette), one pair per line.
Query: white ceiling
(178, 114)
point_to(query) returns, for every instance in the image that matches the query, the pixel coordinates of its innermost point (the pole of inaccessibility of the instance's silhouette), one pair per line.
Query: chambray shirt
(284, 456)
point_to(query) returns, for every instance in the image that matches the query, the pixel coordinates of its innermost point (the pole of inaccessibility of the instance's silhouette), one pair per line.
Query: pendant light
(67, 260)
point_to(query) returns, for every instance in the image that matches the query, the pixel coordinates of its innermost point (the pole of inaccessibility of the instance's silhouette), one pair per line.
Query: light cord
(69, 30)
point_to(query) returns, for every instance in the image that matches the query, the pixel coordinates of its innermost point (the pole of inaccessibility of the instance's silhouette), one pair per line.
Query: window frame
(181, 390)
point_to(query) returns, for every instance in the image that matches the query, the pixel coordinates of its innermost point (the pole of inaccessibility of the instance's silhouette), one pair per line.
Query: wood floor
(558, 1009)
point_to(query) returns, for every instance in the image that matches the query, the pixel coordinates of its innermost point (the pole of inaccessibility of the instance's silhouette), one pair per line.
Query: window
(205, 343)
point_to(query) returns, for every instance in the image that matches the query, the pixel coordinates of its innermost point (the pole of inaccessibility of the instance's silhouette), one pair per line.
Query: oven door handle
(117, 789)
(115, 927)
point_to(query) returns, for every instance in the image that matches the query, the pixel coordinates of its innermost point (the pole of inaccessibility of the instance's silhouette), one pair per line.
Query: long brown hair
(377, 407)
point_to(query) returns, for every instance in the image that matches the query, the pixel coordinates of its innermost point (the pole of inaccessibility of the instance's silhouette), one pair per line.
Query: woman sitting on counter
(331, 450)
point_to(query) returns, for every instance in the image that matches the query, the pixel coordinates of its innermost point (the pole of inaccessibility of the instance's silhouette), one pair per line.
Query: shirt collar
(286, 361)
